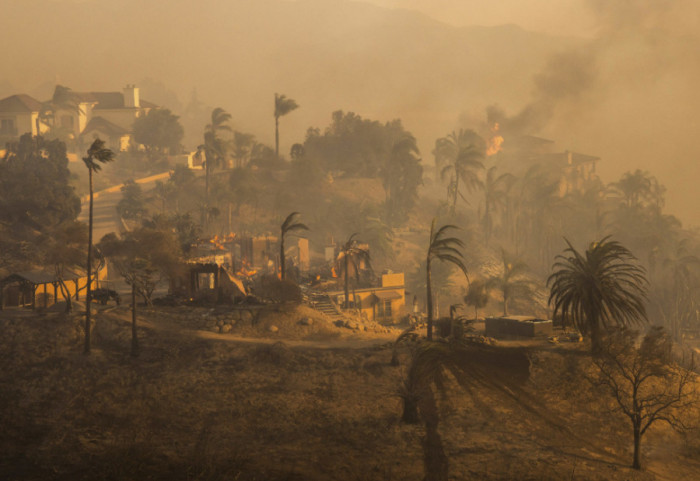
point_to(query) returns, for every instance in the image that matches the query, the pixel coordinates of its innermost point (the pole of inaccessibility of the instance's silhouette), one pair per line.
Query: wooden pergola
(31, 283)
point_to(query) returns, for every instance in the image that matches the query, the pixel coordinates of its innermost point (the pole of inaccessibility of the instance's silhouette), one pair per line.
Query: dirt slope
(196, 407)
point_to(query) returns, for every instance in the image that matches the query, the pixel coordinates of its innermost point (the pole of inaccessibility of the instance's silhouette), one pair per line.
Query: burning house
(209, 281)
(516, 154)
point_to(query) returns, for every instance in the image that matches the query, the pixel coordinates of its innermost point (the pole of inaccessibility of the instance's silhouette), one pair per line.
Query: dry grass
(200, 409)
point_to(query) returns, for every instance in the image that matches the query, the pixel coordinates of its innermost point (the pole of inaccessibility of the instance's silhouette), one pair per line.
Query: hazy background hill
(327, 55)
(628, 94)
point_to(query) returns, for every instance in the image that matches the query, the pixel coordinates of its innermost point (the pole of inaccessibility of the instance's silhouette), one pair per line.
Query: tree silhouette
(646, 383)
(400, 173)
(445, 249)
(352, 254)
(461, 155)
(214, 147)
(635, 188)
(289, 225)
(141, 257)
(598, 289)
(512, 281)
(477, 296)
(97, 155)
(160, 132)
(495, 197)
(283, 106)
(242, 146)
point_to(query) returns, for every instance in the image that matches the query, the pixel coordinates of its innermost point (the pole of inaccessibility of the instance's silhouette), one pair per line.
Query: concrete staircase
(322, 303)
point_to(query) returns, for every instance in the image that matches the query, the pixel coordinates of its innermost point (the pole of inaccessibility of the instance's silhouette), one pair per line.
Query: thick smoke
(567, 77)
(628, 95)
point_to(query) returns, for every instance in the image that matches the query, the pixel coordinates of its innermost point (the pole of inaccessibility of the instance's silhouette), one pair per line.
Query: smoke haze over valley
(627, 93)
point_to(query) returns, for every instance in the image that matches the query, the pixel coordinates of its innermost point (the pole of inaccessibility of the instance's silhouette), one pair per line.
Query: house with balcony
(81, 118)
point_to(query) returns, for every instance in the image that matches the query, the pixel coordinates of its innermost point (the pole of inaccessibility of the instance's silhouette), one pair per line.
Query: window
(384, 308)
(7, 126)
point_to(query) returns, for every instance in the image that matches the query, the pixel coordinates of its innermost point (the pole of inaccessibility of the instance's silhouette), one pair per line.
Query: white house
(18, 115)
(109, 115)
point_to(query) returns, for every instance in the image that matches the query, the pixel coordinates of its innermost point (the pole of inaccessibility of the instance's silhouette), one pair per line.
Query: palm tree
(401, 174)
(602, 287)
(242, 147)
(446, 249)
(352, 254)
(181, 179)
(283, 106)
(635, 187)
(97, 154)
(461, 153)
(511, 282)
(289, 225)
(495, 197)
(214, 146)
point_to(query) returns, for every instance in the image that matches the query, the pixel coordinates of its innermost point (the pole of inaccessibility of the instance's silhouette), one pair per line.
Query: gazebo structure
(38, 288)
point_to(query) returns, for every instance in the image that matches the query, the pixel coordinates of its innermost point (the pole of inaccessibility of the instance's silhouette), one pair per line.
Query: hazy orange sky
(623, 85)
(560, 17)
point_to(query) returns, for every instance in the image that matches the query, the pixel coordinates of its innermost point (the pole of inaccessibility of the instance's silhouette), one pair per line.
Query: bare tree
(646, 383)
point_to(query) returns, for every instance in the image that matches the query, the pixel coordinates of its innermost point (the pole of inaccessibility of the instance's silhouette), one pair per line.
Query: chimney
(131, 96)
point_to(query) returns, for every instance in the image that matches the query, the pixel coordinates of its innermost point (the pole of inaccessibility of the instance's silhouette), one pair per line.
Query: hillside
(327, 55)
(202, 408)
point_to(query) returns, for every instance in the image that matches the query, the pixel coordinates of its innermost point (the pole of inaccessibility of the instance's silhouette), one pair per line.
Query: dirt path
(376, 340)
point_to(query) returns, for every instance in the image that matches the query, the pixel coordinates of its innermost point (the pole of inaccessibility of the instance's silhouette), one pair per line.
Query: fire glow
(495, 142)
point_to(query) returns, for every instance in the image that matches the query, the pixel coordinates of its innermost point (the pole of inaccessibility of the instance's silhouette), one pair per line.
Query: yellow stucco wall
(71, 285)
(392, 280)
(366, 302)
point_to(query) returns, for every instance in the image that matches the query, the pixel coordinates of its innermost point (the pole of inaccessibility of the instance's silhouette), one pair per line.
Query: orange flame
(246, 270)
(333, 273)
(496, 141)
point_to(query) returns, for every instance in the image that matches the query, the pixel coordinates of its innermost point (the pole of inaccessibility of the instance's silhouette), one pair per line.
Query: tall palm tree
(461, 154)
(400, 174)
(242, 146)
(445, 249)
(283, 106)
(181, 178)
(352, 254)
(97, 154)
(495, 197)
(289, 225)
(635, 187)
(597, 289)
(214, 145)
